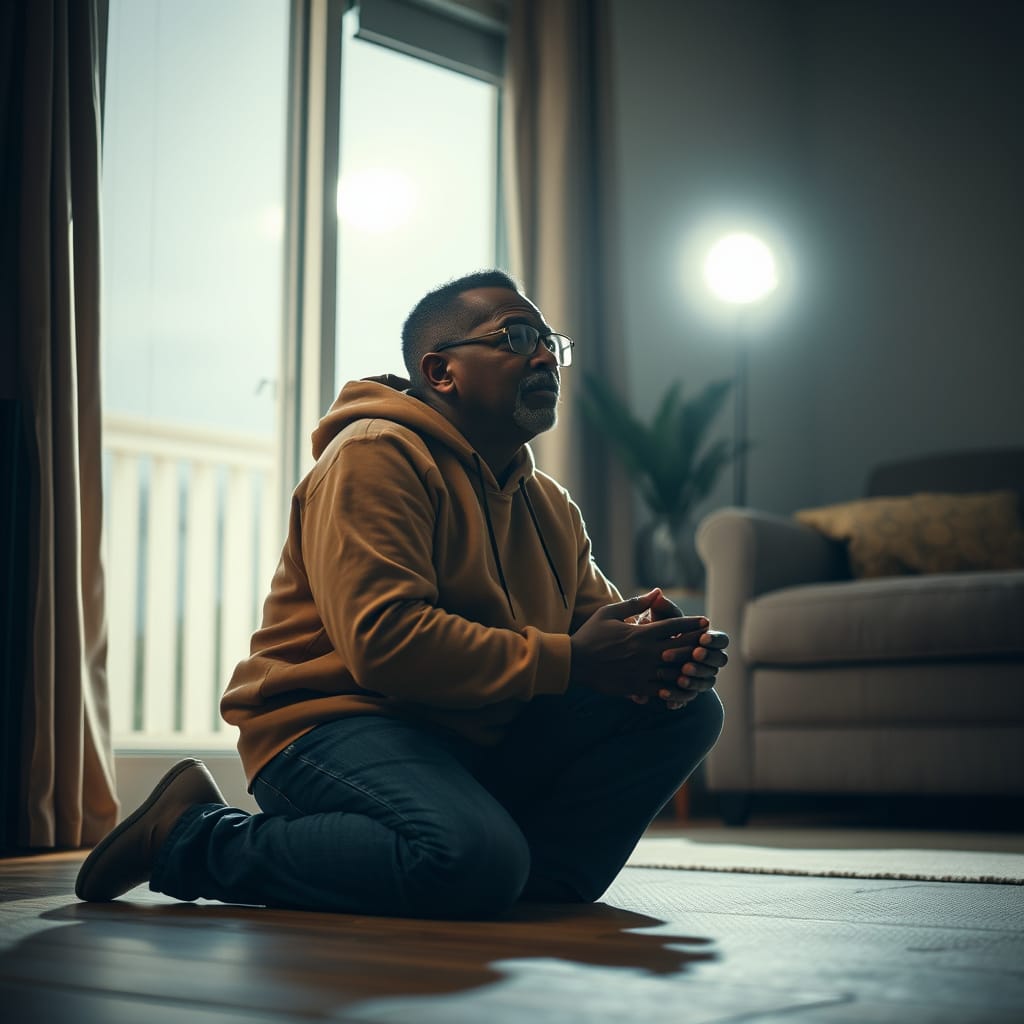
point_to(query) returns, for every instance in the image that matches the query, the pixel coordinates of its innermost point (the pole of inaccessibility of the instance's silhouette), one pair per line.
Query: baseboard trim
(137, 772)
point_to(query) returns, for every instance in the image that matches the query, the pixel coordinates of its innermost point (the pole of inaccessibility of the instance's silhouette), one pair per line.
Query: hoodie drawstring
(494, 540)
(543, 543)
(490, 533)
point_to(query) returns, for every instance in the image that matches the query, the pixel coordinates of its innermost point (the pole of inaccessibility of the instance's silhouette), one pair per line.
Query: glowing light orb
(740, 269)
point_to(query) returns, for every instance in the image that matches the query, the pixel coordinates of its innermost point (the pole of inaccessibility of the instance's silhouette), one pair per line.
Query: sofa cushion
(901, 694)
(925, 532)
(946, 615)
(966, 760)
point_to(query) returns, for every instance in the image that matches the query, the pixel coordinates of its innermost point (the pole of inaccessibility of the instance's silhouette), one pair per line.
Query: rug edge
(835, 873)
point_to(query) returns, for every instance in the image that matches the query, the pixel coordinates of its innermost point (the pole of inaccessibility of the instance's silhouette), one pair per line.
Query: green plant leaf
(666, 458)
(708, 467)
(629, 437)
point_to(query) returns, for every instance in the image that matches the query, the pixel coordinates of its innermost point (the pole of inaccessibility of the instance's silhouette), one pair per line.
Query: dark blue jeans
(377, 815)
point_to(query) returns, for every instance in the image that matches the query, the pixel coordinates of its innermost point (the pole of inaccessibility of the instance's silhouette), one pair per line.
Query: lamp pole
(739, 466)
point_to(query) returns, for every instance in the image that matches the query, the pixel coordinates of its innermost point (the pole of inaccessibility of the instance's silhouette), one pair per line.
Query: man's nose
(543, 357)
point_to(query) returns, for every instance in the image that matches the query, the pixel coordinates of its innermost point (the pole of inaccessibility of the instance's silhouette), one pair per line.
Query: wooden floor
(663, 946)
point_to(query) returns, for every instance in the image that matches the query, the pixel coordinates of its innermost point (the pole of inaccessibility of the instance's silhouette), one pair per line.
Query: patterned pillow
(925, 533)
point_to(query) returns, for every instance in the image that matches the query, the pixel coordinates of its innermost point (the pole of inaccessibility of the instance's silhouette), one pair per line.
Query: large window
(417, 193)
(193, 199)
(206, 390)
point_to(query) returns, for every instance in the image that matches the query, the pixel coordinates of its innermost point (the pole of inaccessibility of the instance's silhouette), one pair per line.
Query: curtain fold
(561, 212)
(53, 121)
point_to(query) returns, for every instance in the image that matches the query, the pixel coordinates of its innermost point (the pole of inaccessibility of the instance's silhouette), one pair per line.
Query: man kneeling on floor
(448, 708)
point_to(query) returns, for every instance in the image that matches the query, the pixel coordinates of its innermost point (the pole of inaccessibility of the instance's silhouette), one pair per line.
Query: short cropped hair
(441, 316)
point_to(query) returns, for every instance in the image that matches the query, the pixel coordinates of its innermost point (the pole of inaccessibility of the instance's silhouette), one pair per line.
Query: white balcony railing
(192, 536)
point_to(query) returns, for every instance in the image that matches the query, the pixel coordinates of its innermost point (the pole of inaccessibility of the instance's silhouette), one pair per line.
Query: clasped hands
(645, 647)
(691, 663)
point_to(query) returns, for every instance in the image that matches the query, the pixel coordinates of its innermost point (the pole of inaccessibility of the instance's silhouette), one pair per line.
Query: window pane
(416, 197)
(193, 187)
(193, 199)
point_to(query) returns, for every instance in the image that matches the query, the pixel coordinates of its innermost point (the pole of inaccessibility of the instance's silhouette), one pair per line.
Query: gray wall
(880, 145)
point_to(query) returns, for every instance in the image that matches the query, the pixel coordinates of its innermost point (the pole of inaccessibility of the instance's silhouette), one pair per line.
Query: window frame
(467, 36)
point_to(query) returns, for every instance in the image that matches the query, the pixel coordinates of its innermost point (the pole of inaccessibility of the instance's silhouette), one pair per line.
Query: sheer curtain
(561, 213)
(50, 116)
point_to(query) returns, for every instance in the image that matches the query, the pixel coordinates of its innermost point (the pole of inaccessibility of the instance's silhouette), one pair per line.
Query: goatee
(536, 418)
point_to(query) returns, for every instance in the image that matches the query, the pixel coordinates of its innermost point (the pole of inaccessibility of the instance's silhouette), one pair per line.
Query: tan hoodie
(412, 584)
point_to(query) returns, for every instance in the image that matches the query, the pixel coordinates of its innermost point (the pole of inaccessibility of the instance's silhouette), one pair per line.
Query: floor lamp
(740, 270)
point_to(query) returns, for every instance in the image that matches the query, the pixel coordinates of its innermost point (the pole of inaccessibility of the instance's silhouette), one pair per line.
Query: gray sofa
(898, 685)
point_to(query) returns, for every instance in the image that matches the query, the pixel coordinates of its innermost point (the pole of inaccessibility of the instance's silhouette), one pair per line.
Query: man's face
(497, 386)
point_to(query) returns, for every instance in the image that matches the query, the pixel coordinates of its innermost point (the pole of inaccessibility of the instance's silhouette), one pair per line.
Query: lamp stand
(739, 465)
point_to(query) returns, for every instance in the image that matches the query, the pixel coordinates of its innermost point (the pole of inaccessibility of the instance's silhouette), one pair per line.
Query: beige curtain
(560, 192)
(52, 120)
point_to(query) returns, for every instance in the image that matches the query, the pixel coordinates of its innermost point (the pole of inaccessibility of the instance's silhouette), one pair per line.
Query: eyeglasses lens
(523, 339)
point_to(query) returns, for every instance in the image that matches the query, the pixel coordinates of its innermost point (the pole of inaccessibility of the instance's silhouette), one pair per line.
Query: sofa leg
(734, 808)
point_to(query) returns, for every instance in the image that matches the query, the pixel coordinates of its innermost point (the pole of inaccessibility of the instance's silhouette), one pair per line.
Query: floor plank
(661, 946)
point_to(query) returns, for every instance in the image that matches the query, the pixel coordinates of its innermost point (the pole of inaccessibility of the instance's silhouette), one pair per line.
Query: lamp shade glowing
(740, 269)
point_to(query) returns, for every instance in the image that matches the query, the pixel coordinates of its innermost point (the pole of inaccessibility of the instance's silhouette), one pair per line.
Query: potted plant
(672, 465)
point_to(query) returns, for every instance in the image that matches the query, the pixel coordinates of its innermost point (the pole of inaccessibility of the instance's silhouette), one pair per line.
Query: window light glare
(271, 223)
(740, 269)
(377, 200)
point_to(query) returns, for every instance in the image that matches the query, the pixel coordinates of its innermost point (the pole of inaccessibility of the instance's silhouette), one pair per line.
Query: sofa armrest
(747, 553)
(750, 552)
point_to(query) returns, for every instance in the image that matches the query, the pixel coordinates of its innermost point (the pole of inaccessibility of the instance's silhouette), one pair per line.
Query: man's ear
(437, 372)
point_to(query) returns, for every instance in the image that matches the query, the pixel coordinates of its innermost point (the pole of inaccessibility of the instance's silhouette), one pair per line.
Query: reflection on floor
(661, 946)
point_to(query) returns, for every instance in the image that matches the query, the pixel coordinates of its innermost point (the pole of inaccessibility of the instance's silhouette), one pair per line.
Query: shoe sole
(158, 790)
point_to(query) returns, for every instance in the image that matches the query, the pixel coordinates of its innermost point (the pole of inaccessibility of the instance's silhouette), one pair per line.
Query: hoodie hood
(390, 397)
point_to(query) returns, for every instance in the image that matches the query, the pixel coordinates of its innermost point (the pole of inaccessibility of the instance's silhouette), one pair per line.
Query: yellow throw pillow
(925, 532)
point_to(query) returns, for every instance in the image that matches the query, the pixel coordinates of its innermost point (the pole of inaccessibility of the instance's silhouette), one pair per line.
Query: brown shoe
(124, 858)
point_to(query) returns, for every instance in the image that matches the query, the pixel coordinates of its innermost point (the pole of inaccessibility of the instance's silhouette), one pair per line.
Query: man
(448, 707)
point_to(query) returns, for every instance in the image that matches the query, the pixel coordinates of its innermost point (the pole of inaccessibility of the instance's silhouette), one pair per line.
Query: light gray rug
(942, 865)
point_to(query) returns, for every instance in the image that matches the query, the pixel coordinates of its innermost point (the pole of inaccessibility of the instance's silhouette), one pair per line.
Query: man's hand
(615, 656)
(691, 662)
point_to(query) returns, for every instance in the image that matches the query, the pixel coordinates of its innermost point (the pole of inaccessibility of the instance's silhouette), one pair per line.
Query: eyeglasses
(523, 340)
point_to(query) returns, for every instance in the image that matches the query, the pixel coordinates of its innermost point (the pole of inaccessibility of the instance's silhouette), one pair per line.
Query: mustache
(543, 380)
